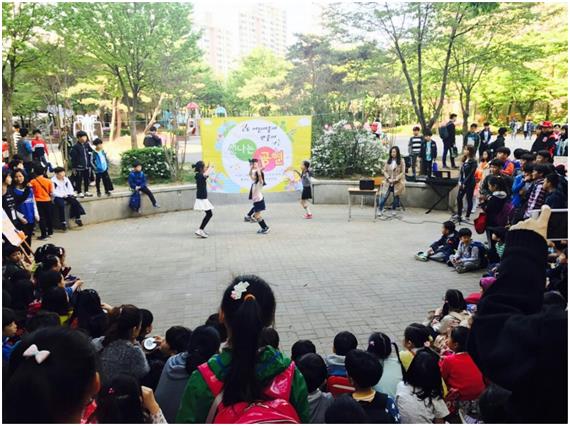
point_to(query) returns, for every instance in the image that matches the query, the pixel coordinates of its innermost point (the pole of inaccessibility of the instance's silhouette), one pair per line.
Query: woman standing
(394, 180)
(466, 182)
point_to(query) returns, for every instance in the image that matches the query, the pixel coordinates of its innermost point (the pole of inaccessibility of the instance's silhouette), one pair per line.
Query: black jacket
(81, 156)
(485, 140)
(467, 172)
(544, 141)
(515, 342)
(450, 140)
(496, 144)
(556, 200)
(433, 150)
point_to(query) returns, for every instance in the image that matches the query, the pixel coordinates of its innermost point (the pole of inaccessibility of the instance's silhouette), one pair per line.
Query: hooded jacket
(494, 207)
(198, 398)
(171, 385)
(81, 156)
(335, 365)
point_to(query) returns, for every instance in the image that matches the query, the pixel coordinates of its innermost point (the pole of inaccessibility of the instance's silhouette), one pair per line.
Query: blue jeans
(384, 198)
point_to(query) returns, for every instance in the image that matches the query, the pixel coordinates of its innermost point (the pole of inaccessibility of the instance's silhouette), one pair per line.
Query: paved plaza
(328, 274)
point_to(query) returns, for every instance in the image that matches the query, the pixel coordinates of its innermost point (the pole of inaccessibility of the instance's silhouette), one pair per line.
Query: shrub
(153, 160)
(345, 151)
(125, 132)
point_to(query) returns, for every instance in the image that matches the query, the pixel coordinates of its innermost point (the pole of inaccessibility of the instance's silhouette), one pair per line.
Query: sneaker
(81, 195)
(380, 212)
(263, 231)
(43, 238)
(308, 216)
(88, 194)
(78, 222)
(201, 233)
(108, 194)
(421, 256)
(247, 218)
(50, 234)
(64, 226)
(98, 194)
(156, 206)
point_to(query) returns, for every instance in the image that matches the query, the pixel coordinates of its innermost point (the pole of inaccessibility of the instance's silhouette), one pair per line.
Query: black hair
(417, 334)
(178, 338)
(42, 319)
(5, 174)
(424, 375)
(47, 280)
(47, 264)
(344, 342)
(22, 293)
(493, 403)
(454, 300)
(307, 164)
(498, 182)
(313, 369)
(554, 179)
(345, 410)
(460, 335)
(486, 123)
(245, 315)
(97, 141)
(527, 156)
(379, 345)
(8, 317)
(398, 155)
(449, 225)
(473, 125)
(120, 401)
(147, 319)
(544, 153)
(543, 169)
(55, 300)
(199, 166)
(136, 163)
(504, 150)
(416, 129)
(214, 321)
(23, 132)
(363, 368)
(49, 249)
(519, 152)
(122, 320)
(80, 134)
(554, 298)
(203, 344)
(496, 162)
(499, 231)
(302, 347)
(452, 115)
(464, 232)
(23, 173)
(528, 168)
(269, 337)
(428, 133)
(16, 126)
(58, 170)
(6, 299)
(89, 314)
(56, 388)
(471, 152)
(502, 131)
(8, 250)
(37, 131)
(152, 128)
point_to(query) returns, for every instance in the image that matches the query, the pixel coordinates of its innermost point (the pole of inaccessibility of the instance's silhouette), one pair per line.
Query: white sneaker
(81, 195)
(201, 233)
(88, 194)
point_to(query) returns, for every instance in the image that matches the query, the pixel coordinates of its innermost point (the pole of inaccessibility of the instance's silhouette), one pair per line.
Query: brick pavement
(328, 274)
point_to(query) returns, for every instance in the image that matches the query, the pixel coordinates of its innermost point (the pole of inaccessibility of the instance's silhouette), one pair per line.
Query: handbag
(480, 223)
(453, 151)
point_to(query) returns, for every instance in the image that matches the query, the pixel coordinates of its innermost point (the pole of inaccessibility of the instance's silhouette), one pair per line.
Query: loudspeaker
(366, 184)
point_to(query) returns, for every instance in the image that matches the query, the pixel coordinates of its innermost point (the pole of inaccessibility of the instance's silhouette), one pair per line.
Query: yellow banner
(279, 143)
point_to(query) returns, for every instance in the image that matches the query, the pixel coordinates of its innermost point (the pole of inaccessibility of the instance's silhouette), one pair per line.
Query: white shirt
(414, 410)
(62, 188)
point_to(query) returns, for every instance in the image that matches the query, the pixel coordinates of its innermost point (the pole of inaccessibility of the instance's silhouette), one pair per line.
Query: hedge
(153, 160)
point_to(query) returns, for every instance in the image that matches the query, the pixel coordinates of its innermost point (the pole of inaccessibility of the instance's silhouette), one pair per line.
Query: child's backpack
(483, 255)
(276, 409)
(135, 201)
(443, 133)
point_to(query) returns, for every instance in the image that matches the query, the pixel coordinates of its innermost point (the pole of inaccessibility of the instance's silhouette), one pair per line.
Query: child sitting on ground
(175, 340)
(269, 337)
(138, 183)
(380, 345)
(302, 347)
(468, 256)
(416, 336)
(364, 372)
(314, 370)
(441, 249)
(344, 342)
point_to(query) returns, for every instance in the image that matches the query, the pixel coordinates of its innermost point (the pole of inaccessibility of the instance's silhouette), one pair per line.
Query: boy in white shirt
(63, 193)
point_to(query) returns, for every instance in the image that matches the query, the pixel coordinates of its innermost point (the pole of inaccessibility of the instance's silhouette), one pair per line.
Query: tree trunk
(154, 114)
(7, 114)
(133, 123)
(113, 132)
(466, 106)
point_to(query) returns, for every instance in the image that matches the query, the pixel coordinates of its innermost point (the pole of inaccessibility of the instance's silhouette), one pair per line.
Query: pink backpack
(276, 409)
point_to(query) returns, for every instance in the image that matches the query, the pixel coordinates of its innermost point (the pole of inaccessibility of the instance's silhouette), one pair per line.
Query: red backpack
(276, 409)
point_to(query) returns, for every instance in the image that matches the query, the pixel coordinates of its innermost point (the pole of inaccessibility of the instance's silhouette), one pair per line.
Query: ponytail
(399, 359)
(122, 320)
(248, 306)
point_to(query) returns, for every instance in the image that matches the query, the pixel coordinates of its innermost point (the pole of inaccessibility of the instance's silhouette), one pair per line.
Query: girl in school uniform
(258, 178)
(202, 203)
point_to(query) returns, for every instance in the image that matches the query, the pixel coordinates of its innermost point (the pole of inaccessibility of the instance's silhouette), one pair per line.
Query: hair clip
(33, 351)
(249, 297)
(239, 289)
(111, 391)
(371, 343)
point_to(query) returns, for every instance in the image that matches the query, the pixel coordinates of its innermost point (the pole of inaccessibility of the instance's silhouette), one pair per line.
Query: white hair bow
(239, 289)
(33, 351)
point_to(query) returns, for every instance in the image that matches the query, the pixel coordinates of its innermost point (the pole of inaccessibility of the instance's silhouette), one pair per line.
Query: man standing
(545, 140)
(415, 147)
(485, 138)
(514, 127)
(528, 128)
(447, 134)
(152, 140)
(24, 149)
(81, 163)
(472, 138)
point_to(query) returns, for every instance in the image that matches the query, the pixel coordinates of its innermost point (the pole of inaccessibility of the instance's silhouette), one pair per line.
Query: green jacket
(197, 397)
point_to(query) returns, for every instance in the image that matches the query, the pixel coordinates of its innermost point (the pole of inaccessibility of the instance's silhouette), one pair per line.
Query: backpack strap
(280, 387)
(214, 384)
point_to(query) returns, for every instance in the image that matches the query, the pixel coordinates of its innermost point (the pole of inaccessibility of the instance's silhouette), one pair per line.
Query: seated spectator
(21, 292)
(536, 192)
(554, 196)
(458, 370)
(269, 337)
(124, 400)
(502, 154)
(9, 329)
(345, 410)
(119, 351)
(558, 276)
(42, 319)
(146, 324)
(364, 372)
(453, 313)
(52, 376)
(88, 314)
(214, 321)
(441, 249)
(484, 284)
(498, 235)
(416, 336)
(314, 370)
(248, 305)
(138, 183)
(498, 205)
(344, 342)
(302, 347)
(12, 260)
(63, 193)
(511, 319)
(380, 346)
(469, 253)
(555, 299)
(175, 340)
(203, 344)
(495, 167)
(492, 405)
(419, 397)
(543, 157)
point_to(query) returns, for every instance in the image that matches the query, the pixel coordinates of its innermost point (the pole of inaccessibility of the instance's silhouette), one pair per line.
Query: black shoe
(78, 222)
(43, 238)
(108, 194)
(98, 194)
(64, 226)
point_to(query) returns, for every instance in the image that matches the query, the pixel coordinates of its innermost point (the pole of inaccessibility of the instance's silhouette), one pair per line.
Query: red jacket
(39, 142)
(460, 372)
